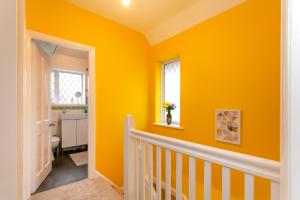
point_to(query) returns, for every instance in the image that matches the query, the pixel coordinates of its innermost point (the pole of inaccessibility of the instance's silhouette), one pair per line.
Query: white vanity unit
(74, 129)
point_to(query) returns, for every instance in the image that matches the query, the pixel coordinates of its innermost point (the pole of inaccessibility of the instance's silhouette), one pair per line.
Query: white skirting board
(120, 189)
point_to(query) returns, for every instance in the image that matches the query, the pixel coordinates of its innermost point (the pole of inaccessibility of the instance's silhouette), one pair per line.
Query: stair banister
(136, 158)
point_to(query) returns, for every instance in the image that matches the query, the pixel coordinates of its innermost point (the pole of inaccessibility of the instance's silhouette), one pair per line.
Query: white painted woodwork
(134, 176)
(178, 176)
(158, 173)
(207, 180)
(225, 183)
(290, 100)
(275, 190)
(192, 178)
(249, 187)
(131, 163)
(82, 131)
(168, 174)
(28, 129)
(21, 108)
(41, 148)
(268, 169)
(250, 165)
(150, 171)
(142, 173)
(68, 133)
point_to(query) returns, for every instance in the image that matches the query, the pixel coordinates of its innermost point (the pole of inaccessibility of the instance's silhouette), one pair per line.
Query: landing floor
(87, 189)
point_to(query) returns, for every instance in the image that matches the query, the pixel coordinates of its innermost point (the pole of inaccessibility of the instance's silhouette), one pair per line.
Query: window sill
(68, 106)
(174, 126)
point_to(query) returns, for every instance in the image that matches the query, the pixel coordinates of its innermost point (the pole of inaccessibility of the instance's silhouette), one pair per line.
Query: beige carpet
(87, 189)
(80, 158)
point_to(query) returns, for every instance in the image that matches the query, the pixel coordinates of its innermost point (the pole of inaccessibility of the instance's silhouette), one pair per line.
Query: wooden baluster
(137, 164)
(158, 173)
(178, 176)
(150, 171)
(249, 187)
(225, 183)
(207, 180)
(192, 178)
(142, 172)
(275, 190)
(168, 174)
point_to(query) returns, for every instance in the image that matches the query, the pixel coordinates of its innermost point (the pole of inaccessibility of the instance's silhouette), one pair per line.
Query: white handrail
(257, 166)
(250, 165)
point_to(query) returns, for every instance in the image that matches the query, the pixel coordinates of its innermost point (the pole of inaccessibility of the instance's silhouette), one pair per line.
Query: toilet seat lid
(55, 139)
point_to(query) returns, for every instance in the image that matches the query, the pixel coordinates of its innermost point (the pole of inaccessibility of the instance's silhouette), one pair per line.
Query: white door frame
(27, 102)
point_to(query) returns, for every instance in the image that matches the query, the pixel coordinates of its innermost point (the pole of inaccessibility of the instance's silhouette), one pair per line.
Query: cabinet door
(82, 132)
(68, 133)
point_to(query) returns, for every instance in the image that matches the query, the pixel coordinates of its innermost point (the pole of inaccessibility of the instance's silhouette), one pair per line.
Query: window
(67, 88)
(171, 88)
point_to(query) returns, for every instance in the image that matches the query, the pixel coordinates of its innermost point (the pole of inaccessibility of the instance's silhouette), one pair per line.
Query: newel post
(130, 160)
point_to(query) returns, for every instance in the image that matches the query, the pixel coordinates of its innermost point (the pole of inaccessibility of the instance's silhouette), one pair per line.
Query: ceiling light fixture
(126, 2)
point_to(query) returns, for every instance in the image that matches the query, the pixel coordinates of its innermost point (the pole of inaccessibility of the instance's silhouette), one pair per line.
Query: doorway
(59, 139)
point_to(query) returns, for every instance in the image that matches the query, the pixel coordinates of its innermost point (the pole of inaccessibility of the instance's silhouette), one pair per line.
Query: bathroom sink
(70, 116)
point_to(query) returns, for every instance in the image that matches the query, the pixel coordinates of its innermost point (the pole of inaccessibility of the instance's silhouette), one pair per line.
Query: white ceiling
(157, 19)
(51, 49)
(141, 15)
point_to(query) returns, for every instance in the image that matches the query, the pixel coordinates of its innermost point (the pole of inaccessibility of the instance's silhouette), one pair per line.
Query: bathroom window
(67, 88)
(171, 89)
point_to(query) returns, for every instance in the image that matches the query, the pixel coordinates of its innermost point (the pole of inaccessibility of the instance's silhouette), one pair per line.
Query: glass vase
(169, 118)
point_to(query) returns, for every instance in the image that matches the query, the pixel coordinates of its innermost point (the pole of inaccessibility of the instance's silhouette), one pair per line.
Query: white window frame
(83, 76)
(163, 110)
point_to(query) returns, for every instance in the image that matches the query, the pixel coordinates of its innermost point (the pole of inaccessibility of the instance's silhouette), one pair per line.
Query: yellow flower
(166, 104)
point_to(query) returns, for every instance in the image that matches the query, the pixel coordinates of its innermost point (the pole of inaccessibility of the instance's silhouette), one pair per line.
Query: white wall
(71, 63)
(8, 100)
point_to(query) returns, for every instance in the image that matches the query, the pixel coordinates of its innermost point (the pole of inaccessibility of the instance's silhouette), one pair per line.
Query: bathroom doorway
(60, 128)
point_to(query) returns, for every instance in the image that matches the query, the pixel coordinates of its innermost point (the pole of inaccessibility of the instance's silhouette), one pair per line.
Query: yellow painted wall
(231, 61)
(122, 63)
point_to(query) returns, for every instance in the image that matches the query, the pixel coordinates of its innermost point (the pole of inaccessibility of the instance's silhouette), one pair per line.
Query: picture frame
(228, 126)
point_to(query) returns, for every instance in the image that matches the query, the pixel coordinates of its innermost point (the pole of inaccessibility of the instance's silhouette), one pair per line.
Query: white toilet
(54, 143)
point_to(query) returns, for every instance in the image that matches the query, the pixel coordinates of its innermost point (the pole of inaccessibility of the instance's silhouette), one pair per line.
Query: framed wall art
(228, 126)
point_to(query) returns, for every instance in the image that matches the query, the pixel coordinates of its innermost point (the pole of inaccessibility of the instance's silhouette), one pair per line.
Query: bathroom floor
(64, 171)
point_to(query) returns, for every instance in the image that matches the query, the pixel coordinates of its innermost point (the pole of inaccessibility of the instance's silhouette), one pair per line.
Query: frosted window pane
(172, 88)
(65, 86)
